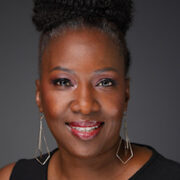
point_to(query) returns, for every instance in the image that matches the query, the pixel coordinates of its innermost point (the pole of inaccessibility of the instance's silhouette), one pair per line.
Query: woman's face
(83, 91)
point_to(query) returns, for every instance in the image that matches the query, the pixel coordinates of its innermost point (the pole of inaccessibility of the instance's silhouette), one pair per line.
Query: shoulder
(167, 166)
(158, 167)
(162, 168)
(23, 169)
(6, 171)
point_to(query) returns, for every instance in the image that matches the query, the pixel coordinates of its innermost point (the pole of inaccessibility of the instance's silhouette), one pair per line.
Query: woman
(83, 93)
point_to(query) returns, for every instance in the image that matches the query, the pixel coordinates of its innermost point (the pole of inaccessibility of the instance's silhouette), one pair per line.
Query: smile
(85, 130)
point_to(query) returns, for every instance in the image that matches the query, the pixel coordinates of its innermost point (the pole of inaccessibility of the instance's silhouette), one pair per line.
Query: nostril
(75, 107)
(85, 106)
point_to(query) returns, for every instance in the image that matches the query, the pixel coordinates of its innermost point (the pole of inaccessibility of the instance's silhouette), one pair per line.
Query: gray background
(154, 109)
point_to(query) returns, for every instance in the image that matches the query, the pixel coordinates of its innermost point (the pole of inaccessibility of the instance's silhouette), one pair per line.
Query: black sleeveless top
(156, 168)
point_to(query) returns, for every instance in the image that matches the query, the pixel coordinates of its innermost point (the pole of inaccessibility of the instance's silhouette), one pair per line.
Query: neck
(100, 166)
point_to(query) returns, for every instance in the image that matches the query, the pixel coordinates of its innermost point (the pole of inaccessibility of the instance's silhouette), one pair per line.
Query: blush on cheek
(50, 106)
(115, 111)
(115, 108)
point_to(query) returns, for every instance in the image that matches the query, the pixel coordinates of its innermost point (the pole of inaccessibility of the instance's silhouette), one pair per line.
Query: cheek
(54, 103)
(113, 104)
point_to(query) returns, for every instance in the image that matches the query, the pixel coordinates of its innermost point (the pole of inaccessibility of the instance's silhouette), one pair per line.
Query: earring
(128, 152)
(42, 138)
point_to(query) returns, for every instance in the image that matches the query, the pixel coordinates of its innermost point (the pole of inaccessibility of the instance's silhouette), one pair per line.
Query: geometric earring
(127, 149)
(42, 138)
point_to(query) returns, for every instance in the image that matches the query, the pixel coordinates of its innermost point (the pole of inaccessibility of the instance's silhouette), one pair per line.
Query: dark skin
(83, 78)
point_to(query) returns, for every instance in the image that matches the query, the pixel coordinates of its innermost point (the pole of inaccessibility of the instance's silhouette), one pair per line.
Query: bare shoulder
(5, 172)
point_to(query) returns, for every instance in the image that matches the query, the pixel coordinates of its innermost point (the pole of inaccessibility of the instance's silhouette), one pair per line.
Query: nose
(85, 101)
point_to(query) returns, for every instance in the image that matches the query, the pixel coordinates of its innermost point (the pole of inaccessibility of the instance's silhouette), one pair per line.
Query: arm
(5, 172)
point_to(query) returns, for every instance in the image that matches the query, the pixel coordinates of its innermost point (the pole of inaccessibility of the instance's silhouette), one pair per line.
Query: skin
(84, 53)
(96, 89)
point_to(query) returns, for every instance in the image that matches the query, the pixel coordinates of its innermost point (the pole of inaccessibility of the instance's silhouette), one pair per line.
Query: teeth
(83, 129)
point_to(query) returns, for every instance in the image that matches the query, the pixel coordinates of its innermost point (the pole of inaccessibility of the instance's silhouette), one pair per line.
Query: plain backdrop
(154, 107)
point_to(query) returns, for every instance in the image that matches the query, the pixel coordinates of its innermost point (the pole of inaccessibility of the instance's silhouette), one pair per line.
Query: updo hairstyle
(114, 17)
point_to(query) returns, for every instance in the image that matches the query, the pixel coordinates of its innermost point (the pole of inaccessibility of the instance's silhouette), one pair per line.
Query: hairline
(105, 27)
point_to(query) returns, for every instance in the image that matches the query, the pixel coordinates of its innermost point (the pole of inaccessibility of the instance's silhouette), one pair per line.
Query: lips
(85, 130)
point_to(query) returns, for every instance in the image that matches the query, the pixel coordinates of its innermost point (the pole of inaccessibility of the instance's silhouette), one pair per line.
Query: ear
(38, 95)
(127, 92)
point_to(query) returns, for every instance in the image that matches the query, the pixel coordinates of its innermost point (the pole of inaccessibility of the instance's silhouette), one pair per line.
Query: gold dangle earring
(127, 150)
(39, 152)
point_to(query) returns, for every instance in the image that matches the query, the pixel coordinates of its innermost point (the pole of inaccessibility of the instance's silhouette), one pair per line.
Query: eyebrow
(106, 69)
(72, 72)
(62, 69)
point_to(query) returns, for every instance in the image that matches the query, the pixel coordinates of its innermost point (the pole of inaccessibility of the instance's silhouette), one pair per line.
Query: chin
(86, 153)
(82, 149)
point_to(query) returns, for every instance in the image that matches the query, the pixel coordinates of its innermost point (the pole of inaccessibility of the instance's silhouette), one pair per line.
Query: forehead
(75, 47)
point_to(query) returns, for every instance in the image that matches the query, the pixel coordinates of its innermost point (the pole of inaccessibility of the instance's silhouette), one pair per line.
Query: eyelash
(111, 82)
(58, 82)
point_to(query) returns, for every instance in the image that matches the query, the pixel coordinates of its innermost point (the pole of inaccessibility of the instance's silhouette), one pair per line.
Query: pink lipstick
(85, 130)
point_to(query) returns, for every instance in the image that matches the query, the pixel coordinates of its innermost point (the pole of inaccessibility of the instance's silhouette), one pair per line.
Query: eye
(106, 82)
(62, 82)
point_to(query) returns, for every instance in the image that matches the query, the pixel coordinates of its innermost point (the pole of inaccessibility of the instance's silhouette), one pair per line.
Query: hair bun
(48, 14)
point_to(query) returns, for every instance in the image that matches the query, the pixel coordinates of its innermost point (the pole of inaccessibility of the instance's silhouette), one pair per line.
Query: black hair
(111, 16)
